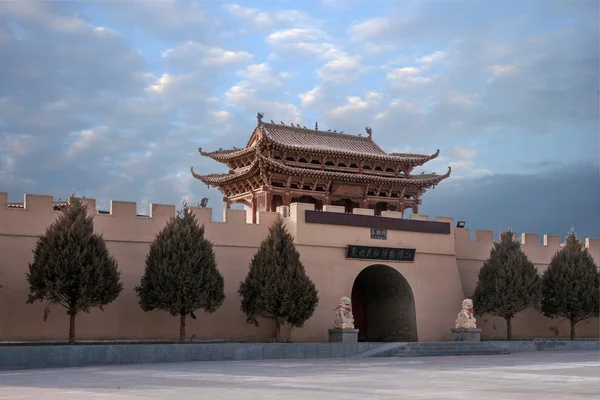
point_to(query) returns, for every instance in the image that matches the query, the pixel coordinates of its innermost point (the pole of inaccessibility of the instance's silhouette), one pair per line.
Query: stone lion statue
(343, 314)
(465, 319)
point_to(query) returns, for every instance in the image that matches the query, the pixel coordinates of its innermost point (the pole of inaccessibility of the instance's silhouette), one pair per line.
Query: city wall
(444, 271)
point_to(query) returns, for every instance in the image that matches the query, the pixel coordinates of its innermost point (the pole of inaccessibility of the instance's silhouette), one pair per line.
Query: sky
(112, 99)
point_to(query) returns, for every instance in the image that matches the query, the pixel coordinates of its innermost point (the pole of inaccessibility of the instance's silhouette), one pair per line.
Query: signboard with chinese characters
(377, 233)
(380, 253)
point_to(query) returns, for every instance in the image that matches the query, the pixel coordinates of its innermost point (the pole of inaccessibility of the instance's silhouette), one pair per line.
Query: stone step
(450, 352)
(442, 349)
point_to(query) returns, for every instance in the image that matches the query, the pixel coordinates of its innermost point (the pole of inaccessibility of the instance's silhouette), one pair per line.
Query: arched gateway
(383, 306)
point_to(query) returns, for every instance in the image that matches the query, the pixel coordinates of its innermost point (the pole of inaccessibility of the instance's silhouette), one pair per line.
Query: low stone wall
(546, 345)
(60, 356)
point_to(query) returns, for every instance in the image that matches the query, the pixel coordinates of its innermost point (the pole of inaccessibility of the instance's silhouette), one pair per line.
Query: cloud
(266, 20)
(195, 55)
(529, 203)
(114, 98)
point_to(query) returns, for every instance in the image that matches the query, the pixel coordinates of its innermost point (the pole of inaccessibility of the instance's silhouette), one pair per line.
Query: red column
(415, 209)
(253, 209)
(268, 200)
(401, 208)
(286, 199)
(364, 203)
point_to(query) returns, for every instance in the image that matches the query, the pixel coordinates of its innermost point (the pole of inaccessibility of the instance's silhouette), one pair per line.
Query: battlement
(539, 253)
(122, 222)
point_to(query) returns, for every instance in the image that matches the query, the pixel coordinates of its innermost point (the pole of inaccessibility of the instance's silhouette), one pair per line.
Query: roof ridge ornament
(259, 117)
(316, 126)
(369, 132)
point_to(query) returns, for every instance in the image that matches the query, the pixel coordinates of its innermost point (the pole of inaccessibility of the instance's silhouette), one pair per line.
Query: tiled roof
(415, 180)
(216, 179)
(228, 154)
(219, 179)
(320, 140)
(291, 138)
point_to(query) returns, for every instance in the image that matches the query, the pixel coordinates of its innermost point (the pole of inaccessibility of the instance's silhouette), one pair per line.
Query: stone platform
(343, 335)
(466, 335)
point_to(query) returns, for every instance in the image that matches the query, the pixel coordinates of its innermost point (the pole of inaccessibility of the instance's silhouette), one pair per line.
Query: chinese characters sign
(380, 253)
(378, 233)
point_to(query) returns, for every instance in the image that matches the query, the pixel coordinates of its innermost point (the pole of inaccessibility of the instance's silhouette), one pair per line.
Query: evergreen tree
(277, 286)
(72, 266)
(181, 274)
(508, 282)
(571, 284)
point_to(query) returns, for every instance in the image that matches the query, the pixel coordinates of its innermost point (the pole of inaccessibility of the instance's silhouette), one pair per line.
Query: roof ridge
(321, 132)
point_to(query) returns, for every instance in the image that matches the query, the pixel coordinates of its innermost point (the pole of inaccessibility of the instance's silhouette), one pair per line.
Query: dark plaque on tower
(380, 253)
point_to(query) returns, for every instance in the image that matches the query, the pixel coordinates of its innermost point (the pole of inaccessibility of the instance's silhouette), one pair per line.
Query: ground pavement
(539, 375)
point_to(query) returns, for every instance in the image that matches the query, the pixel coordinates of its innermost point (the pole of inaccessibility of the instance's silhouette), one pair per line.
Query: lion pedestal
(466, 328)
(343, 324)
(466, 335)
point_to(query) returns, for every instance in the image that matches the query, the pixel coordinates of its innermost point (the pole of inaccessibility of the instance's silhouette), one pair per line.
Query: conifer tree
(508, 282)
(72, 266)
(181, 274)
(571, 284)
(277, 286)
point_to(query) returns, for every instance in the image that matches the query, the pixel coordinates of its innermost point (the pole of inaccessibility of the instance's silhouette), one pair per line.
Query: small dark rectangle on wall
(380, 253)
(370, 221)
(380, 234)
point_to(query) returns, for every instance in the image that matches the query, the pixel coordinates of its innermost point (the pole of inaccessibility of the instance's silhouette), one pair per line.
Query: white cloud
(356, 104)
(407, 76)
(433, 58)
(263, 74)
(340, 68)
(265, 20)
(311, 97)
(371, 28)
(197, 54)
(116, 120)
(300, 42)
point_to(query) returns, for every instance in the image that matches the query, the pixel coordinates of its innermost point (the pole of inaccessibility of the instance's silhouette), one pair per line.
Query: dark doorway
(383, 306)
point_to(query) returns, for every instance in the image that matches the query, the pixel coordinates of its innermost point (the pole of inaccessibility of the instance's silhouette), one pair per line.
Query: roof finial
(369, 132)
(259, 117)
(316, 126)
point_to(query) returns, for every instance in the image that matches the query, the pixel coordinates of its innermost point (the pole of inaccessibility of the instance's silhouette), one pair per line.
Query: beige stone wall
(443, 273)
(470, 256)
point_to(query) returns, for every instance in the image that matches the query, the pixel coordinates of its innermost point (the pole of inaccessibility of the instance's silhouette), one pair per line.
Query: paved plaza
(540, 375)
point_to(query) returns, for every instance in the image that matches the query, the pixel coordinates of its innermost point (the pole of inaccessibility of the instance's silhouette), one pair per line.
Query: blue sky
(112, 99)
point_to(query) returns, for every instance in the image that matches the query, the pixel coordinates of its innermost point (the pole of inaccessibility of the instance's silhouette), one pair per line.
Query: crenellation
(419, 217)
(530, 239)
(462, 235)
(38, 203)
(162, 211)
(267, 217)
(449, 220)
(203, 214)
(363, 211)
(391, 214)
(593, 246)
(484, 236)
(90, 204)
(3, 200)
(335, 209)
(234, 216)
(552, 241)
(123, 209)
